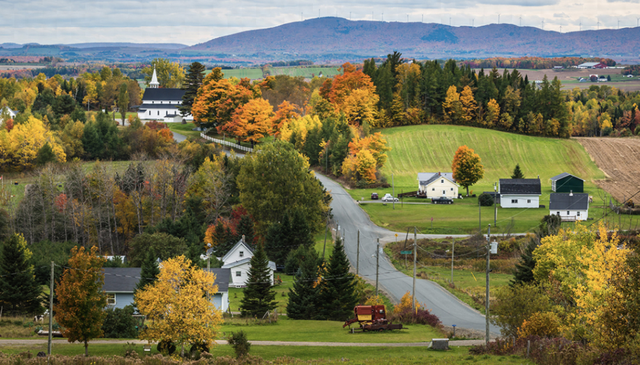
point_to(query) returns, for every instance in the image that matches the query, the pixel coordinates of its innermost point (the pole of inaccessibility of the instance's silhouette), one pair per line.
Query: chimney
(243, 238)
(570, 192)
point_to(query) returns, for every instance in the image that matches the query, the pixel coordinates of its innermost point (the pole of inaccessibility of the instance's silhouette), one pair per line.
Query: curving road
(352, 218)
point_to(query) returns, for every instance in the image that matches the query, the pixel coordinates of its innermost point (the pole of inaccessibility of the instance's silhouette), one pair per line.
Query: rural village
(165, 204)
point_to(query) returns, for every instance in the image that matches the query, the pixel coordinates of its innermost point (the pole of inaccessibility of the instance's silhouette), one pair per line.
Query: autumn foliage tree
(251, 121)
(81, 300)
(179, 304)
(467, 168)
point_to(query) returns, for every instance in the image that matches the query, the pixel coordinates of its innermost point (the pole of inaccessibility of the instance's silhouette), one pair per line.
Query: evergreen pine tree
(246, 229)
(517, 173)
(303, 297)
(19, 291)
(277, 244)
(45, 155)
(337, 294)
(192, 82)
(300, 232)
(259, 296)
(524, 267)
(149, 271)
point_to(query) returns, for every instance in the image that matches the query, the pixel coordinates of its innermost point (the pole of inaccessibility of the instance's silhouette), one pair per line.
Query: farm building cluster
(568, 199)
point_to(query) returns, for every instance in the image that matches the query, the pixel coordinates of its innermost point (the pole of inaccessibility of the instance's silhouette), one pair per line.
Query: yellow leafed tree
(19, 147)
(179, 305)
(298, 128)
(469, 105)
(405, 303)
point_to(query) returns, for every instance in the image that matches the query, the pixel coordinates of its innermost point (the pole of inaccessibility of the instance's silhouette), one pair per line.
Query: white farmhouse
(570, 207)
(520, 193)
(238, 260)
(437, 184)
(161, 104)
(6, 112)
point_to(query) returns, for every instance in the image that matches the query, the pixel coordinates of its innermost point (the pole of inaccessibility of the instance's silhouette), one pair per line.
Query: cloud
(526, 3)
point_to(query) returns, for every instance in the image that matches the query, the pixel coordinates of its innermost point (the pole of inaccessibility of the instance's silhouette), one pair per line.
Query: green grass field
(184, 129)
(430, 148)
(324, 355)
(294, 71)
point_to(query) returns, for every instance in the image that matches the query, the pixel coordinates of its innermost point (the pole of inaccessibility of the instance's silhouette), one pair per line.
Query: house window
(451, 189)
(241, 253)
(568, 212)
(238, 273)
(557, 213)
(433, 189)
(111, 299)
(514, 201)
(441, 181)
(578, 214)
(528, 200)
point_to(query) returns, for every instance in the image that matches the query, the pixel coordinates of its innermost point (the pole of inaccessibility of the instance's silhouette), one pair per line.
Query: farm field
(430, 148)
(618, 158)
(256, 73)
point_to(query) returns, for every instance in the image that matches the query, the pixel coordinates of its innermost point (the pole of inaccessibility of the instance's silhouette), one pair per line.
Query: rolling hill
(332, 37)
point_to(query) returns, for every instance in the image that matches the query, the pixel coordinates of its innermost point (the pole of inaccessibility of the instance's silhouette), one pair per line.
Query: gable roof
(520, 186)
(222, 278)
(236, 246)
(121, 279)
(563, 175)
(163, 94)
(564, 201)
(426, 178)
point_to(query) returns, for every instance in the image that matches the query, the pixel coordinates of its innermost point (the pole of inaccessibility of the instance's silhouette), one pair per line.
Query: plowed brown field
(619, 158)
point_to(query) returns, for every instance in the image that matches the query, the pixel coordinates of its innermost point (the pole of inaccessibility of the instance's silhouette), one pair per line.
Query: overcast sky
(191, 22)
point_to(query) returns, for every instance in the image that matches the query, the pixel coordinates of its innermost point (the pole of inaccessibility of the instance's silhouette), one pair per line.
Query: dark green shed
(565, 183)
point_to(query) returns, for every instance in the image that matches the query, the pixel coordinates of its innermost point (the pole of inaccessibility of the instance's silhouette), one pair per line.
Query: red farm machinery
(371, 318)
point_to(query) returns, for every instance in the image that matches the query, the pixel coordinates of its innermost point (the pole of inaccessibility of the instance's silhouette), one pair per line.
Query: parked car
(442, 200)
(389, 198)
(374, 196)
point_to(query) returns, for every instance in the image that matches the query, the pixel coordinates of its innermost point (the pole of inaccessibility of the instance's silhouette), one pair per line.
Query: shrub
(485, 200)
(405, 303)
(543, 324)
(420, 316)
(119, 323)
(515, 304)
(239, 343)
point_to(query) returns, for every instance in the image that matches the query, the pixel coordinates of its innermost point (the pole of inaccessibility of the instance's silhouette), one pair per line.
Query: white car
(389, 198)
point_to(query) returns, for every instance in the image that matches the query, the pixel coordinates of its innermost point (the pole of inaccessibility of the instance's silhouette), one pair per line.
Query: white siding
(519, 201)
(440, 187)
(237, 253)
(241, 281)
(571, 215)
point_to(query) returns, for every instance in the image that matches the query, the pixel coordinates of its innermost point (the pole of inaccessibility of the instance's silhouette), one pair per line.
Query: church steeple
(154, 84)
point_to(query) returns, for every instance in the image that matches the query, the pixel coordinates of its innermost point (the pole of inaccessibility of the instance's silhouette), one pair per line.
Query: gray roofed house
(570, 207)
(437, 184)
(238, 260)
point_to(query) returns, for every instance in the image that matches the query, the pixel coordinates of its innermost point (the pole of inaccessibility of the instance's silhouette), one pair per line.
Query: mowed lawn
(430, 148)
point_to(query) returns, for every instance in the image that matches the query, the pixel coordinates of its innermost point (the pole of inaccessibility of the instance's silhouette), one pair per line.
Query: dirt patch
(618, 158)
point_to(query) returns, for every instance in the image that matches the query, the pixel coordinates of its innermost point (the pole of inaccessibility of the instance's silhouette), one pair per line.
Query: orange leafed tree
(81, 300)
(252, 121)
(467, 168)
(285, 113)
(343, 85)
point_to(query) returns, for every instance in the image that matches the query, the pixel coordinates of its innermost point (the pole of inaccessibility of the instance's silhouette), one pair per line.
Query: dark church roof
(163, 94)
(520, 186)
(564, 201)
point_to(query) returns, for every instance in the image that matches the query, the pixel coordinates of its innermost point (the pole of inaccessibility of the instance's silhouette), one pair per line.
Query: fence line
(226, 143)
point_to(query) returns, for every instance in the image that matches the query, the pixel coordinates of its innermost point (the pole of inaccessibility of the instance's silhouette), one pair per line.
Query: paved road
(352, 218)
(178, 137)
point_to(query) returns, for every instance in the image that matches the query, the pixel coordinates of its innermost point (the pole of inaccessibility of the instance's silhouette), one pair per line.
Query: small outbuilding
(566, 182)
(570, 207)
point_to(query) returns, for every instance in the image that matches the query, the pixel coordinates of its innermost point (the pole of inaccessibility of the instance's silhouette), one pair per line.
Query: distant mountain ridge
(334, 36)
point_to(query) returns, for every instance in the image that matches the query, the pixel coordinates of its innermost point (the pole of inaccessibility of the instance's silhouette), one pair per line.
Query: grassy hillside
(431, 149)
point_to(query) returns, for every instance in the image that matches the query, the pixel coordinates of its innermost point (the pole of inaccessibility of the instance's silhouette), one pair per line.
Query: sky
(197, 21)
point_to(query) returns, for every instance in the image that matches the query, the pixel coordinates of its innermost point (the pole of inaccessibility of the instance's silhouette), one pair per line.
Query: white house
(161, 104)
(8, 112)
(238, 260)
(570, 207)
(437, 184)
(520, 193)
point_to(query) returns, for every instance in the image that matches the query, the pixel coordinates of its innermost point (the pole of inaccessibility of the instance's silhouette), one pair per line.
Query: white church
(161, 104)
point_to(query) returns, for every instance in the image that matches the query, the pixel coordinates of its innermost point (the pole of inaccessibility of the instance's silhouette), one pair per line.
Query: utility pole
(377, 263)
(479, 217)
(358, 255)
(393, 192)
(415, 254)
(486, 316)
(50, 310)
(453, 250)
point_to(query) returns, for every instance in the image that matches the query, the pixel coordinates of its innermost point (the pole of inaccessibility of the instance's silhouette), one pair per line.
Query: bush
(420, 316)
(197, 349)
(119, 323)
(542, 324)
(485, 200)
(239, 343)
